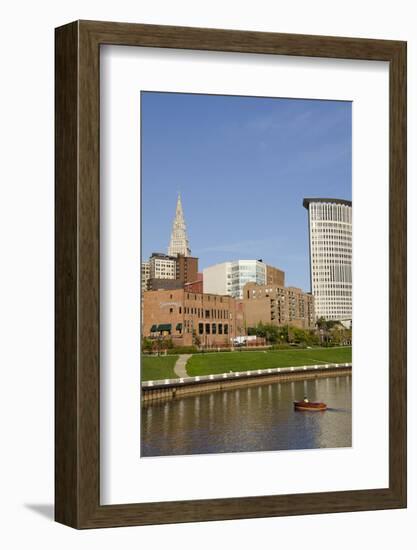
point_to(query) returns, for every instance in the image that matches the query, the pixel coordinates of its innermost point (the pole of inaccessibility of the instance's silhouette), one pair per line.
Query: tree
(270, 332)
(147, 344)
(196, 339)
(157, 344)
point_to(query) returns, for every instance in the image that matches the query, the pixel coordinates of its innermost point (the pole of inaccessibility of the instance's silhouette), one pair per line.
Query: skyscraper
(179, 240)
(330, 228)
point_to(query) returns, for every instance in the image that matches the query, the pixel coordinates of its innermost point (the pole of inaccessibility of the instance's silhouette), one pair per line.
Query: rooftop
(307, 202)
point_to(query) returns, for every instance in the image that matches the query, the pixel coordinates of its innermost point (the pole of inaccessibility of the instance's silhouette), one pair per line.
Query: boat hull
(310, 406)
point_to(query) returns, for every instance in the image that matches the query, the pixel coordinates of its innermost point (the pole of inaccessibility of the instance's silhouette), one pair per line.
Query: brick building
(186, 268)
(278, 305)
(189, 317)
(274, 276)
(196, 285)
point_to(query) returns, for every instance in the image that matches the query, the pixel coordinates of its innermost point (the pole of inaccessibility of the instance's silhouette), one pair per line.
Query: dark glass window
(213, 328)
(226, 329)
(200, 328)
(207, 328)
(220, 328)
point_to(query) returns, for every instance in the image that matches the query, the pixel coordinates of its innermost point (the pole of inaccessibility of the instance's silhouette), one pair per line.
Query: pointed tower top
(179, 240)
(179, 204)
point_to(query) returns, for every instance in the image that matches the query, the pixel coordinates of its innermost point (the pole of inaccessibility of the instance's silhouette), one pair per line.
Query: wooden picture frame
(77, 372)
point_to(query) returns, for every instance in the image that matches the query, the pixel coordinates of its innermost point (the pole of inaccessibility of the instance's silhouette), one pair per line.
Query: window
(200, 328)
(207, 313)
(207, 328)
(220, 328)
(226, 329)
(213, 328)
(180, 309)
(171, 309)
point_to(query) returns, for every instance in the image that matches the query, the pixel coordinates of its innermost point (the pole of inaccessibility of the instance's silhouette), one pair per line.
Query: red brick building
(196, 285)
(189, 318)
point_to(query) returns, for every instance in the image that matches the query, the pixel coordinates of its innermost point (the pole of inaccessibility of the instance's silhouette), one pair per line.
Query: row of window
(331, 212)
(207, 297)
(213, 328)
(200, 312)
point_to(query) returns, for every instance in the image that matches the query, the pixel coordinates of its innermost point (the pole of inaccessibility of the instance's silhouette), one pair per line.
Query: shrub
(181, 349)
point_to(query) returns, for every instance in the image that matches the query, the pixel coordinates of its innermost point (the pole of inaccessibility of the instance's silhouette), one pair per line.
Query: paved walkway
(180, 366)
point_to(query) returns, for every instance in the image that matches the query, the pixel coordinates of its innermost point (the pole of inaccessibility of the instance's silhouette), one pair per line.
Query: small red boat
(309, 405)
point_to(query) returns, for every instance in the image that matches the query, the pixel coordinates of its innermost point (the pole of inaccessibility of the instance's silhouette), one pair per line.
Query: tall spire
(179, 240)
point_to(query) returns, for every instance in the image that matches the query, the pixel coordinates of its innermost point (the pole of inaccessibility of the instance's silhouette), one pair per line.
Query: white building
(145, 275)
(162, 266)
(330, 233)
(230, 277)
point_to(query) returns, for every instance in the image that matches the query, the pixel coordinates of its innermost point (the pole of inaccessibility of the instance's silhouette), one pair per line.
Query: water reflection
(260, 418)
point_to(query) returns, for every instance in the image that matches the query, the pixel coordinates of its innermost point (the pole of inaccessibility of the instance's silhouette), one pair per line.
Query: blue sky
(243, 166)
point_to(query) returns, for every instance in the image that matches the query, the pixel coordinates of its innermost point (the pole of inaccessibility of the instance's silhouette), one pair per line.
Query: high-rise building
(330, 235)
(179, 240)
(230, 277)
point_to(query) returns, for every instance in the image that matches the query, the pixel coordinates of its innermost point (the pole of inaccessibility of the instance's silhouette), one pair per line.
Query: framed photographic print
(230, 274)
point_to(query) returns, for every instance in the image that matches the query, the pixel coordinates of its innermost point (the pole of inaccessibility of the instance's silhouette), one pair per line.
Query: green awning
(154, 328)
(179, 326)
(162, 328)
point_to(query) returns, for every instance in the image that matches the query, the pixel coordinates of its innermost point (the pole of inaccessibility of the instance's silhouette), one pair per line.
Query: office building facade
(230, 277)
(330, 237)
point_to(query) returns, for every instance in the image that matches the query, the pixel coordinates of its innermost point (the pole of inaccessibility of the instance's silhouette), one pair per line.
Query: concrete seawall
(180, 387)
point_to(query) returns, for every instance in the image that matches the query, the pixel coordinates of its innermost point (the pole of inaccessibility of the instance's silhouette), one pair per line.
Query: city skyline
(298, 148)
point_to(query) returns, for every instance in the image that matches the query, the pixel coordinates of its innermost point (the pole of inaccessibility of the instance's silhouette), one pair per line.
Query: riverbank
(174, 388)
(217, 363)
(158, 368)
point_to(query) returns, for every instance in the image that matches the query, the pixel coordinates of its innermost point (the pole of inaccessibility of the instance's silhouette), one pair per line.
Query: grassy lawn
(216, 363)
(158, 368)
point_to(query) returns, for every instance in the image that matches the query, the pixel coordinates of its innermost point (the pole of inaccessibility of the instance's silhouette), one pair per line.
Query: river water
(251, 418)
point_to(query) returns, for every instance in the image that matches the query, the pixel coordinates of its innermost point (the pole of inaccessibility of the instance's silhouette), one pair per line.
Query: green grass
(217, 363)
(158, 368)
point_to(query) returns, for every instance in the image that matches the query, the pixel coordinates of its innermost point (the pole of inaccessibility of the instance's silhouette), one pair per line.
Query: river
(252, 418)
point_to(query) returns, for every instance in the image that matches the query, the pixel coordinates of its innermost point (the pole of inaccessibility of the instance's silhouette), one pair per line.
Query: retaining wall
(179, 387)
